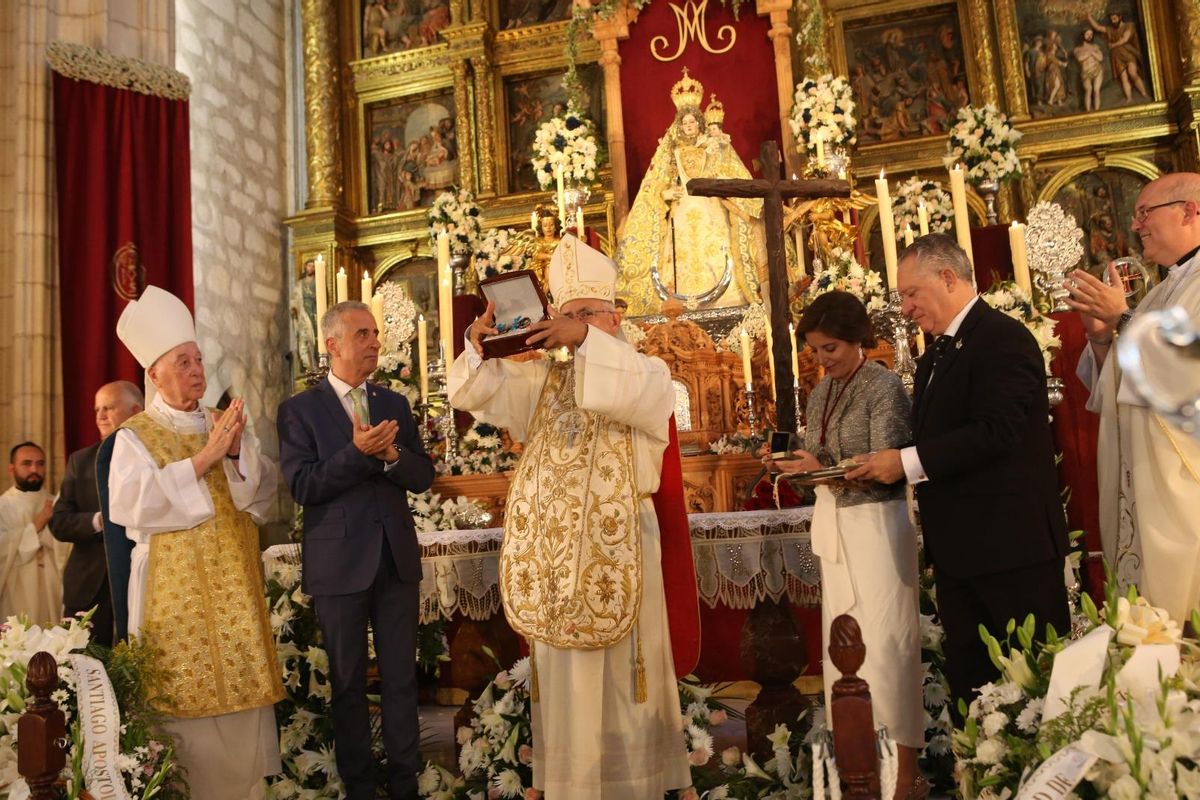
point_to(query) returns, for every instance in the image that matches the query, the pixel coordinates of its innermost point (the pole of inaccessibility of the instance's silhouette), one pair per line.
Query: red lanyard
(827, 412)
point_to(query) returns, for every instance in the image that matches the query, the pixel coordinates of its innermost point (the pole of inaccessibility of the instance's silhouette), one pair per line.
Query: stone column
(608, 32)
(322, 104)
(462, 122)
(485, 117)
(781, 38)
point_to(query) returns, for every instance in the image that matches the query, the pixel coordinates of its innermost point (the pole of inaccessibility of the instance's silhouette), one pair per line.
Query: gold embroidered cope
(205, 610)
(571, 559)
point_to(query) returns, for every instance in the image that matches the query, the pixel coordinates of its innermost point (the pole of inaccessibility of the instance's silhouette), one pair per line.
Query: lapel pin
(958, 345)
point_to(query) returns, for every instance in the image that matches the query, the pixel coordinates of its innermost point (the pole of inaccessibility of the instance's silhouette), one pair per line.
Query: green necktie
(358, 402)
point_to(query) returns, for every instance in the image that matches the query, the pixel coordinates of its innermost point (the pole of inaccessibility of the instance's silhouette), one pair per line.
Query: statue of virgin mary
(707, 251)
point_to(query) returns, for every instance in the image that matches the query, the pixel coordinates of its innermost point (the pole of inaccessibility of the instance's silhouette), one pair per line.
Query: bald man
(1149, 473)
(77, 516)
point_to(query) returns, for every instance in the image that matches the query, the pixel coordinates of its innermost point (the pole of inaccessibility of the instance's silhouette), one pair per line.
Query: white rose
(990, 751)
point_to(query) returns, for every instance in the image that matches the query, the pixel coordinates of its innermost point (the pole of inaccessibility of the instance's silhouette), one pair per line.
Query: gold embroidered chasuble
(571, 558)
(205, 609)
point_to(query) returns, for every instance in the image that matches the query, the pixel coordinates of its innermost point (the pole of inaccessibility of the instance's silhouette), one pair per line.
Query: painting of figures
(412, 152)
(391, 26)
(1082, 55)
(519, 13)
(1102, 202)
(908, 74)
(530, 101)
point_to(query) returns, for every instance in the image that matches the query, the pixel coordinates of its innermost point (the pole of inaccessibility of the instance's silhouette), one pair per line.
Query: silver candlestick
(440, 409)
(898, 330)
(751, 415)
(796, 402)
(317, 373)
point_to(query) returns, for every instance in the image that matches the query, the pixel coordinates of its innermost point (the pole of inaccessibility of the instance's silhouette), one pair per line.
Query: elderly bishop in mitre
(580, 569)
(187, 483)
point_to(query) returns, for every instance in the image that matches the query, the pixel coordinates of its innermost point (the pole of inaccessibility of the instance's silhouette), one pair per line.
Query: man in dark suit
(982, 463)
(349, 451)
(76, 518)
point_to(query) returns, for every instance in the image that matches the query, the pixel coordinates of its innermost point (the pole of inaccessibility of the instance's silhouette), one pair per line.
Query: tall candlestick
(746, 373)
(377, 313)
(445, 298)
(423, 355)
(579, 222)
(1020, 256)
(962, 222)
(322, 299)
(365, 288)
(923, 217)
(887, 227)
(562, 202)
(343, 291)
(795, 355)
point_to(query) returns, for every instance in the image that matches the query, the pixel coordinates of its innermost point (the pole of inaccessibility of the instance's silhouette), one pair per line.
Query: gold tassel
(640, 694)
(533, 679)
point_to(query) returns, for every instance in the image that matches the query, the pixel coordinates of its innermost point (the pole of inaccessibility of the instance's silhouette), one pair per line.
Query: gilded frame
(356, 27)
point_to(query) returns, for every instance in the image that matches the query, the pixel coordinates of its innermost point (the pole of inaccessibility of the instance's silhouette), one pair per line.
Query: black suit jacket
(350, 502)
(77, 504)
(982, 431)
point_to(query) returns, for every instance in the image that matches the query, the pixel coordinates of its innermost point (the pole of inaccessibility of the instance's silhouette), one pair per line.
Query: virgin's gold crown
(715, 112)
(688, 93)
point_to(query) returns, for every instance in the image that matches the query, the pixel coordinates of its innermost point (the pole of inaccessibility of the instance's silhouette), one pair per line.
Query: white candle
(377, 313)
(562, 203)
(445, 298)
(887, 227)
(962, 223)
(908, 235)
(533, 221)
(923, 218)
(746, 373)
(920, 342)
(820, 138)
(1020, 256)
(365, 288)
(795, 356)
(423, 355)
(771, 358)
(322, 299)
(579, 222)
(343, 291)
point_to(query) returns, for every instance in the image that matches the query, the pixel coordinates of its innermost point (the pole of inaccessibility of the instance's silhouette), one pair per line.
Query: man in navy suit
(349, 451)
(982, 463)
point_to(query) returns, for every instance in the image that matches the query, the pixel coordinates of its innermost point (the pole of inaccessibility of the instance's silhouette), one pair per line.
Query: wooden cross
(773, 190)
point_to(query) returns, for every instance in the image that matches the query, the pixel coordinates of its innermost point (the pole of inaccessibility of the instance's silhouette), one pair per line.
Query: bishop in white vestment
(31, 559)
(580, 567)
(1148, 472)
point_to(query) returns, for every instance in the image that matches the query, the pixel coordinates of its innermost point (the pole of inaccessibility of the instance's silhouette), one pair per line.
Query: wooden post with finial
(854, 743)
(41, 730)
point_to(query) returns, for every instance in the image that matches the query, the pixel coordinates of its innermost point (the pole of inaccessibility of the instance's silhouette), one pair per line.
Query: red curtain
(743, 80)
(124, 221)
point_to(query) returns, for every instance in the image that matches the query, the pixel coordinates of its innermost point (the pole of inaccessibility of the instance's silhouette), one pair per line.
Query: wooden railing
(42, 732)
(854, 740)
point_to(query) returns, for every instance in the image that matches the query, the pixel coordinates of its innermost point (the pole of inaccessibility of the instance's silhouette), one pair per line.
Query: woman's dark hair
(839, 315)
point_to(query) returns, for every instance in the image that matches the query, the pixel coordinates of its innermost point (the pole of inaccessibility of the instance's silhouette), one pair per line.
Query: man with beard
(31, 561)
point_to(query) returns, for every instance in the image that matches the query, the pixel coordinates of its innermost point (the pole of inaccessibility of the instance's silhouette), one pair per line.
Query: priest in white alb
(31, 560)
(580, 572)
(188, 482)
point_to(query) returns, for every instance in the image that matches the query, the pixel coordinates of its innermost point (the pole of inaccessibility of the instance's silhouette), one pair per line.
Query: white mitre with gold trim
(154, 324)
(577, 271)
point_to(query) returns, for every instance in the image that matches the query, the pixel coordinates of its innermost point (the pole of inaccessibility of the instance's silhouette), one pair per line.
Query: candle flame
(881, 173)
(341, 270)
(420, 317)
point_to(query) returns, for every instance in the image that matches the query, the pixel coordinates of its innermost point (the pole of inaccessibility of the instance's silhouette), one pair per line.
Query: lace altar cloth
(742, 558)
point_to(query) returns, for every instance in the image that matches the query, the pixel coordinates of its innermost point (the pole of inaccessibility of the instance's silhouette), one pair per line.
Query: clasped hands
(377, 440)
(224, 438)
(557, 331)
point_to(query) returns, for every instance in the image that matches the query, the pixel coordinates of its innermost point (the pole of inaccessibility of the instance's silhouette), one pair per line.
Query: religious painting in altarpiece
(1102, 202)
(393, 26)
(520, 13)
(412, 151)
(908, 72)
(529, 101)
(1081, 56)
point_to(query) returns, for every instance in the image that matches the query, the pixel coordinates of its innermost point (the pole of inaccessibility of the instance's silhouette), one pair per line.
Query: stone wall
(234, 52)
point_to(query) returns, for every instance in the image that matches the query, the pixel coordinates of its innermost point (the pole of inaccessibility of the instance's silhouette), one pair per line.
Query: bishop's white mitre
(154, 324)
(577, 271)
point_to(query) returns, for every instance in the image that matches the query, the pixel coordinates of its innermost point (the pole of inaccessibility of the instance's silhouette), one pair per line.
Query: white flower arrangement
(844, 273)
(1009, 297)
(457, 214)
(939, 208)
(985, 141)
(569, 141)
(1147, 743)
(481, 450)
(499, 250)
(735, 443)
(824, 107)
(634, 334)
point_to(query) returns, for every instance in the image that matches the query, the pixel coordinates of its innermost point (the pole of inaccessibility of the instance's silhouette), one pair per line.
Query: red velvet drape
(743, 80)
(123, 177)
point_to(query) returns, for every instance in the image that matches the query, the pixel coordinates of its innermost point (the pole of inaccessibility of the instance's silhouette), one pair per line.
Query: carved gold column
(608, 32)
(322, 103)
(980, 22)
(462, 101)
(1188, 14)
(781, 37)
(1027, 185)
(485, 116)
(1011, 66)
